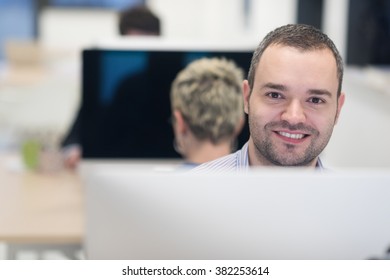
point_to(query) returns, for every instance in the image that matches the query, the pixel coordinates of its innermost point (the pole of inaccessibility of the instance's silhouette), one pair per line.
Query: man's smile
(292, 137)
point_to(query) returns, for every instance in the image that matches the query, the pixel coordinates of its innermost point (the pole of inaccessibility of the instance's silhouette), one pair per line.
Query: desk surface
(40, 208)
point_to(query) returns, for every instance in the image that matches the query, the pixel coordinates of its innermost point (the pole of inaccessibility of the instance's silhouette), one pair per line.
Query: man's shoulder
(223, 164)
(237, 161)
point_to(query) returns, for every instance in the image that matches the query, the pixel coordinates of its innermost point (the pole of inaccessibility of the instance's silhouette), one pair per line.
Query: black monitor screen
(125, 110)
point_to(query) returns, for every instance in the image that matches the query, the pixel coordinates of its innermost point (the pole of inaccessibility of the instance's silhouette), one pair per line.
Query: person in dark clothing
(134, 21)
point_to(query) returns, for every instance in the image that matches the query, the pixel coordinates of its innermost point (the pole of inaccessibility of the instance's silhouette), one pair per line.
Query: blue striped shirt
(238, 161)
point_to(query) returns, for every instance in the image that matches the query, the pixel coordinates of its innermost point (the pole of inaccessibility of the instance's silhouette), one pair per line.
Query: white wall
(267, 15)
(203, 19)
(222, 19)
(335, 23)
(64, 28)
(362, 136)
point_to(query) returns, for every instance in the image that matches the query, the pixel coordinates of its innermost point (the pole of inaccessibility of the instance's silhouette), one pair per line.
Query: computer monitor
(125, 111)
(264, 214)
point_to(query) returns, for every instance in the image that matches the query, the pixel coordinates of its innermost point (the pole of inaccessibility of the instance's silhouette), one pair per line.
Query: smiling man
(293, 100)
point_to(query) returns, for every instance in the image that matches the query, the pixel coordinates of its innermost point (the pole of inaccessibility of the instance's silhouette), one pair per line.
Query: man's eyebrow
(275, 86)
(285, 88)
(320, 92)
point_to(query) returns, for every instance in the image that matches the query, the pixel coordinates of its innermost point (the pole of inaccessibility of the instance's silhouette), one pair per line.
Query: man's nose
(294, 113)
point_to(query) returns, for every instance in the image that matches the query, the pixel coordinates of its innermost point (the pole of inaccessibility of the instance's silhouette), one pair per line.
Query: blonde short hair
(208, 95)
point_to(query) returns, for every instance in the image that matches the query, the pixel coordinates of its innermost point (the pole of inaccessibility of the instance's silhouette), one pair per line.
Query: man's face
(293, 106)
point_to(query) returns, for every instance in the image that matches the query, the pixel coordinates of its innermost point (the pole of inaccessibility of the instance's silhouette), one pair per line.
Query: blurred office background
(41, 40)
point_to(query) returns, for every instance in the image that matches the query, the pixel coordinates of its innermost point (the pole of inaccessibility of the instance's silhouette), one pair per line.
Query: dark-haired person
(139, 20)
(134, 21)
(293, 99)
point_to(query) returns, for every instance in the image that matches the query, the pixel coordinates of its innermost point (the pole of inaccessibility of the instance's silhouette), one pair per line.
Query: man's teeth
(291, 135)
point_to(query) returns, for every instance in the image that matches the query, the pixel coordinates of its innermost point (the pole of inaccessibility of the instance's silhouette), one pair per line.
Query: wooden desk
(38, 208)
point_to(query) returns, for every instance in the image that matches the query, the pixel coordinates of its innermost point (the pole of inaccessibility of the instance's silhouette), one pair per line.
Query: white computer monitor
(264, 214)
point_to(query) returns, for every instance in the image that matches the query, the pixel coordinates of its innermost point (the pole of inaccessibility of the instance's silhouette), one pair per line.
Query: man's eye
(316, 100)
(274, 95)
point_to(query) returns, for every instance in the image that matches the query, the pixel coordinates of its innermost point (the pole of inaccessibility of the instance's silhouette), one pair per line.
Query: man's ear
(246, 94)
(340, 104)
(180, 124)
